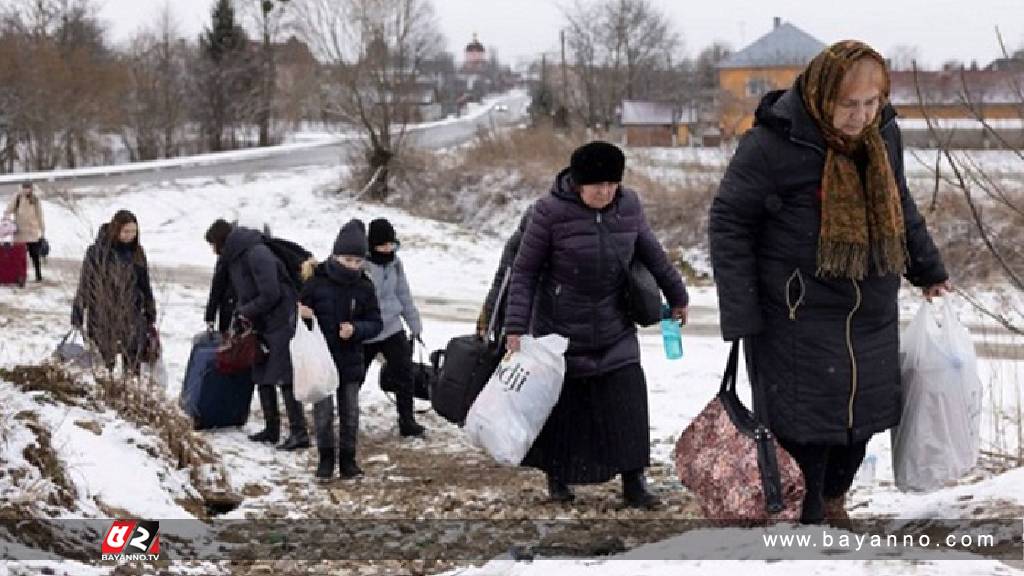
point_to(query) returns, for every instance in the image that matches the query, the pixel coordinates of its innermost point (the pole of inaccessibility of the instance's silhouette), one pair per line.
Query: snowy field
(450, 270)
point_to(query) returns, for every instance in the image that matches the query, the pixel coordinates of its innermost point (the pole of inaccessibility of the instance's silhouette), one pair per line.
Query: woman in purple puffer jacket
(579, 236)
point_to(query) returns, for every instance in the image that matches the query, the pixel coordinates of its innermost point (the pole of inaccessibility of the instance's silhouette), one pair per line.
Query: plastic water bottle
(670, 334)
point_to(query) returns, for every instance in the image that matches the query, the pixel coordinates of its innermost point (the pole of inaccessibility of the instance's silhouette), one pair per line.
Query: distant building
(656, 123)
(954, 100)
(772, 62)
(475, 57)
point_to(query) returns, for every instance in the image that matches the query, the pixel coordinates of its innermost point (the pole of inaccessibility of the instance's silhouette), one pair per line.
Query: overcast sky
(941, 29)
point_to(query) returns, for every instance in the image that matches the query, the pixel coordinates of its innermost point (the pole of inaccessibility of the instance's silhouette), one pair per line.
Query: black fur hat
(597, 162)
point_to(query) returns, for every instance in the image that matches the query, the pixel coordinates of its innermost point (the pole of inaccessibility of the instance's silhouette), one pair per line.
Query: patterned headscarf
(861, 221)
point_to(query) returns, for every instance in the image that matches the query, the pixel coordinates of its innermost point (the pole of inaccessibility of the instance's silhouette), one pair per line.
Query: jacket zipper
(793, 307)
(601, 272)
(853, 358)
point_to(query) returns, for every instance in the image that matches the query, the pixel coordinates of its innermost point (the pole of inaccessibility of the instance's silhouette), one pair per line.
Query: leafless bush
(981, 220)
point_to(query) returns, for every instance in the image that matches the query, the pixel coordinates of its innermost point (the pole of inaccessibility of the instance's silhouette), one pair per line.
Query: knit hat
(351, 240)
(597, 162)
(381, 232)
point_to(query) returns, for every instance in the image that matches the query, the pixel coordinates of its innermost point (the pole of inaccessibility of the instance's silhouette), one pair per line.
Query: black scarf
(341, 274)
(382, 258)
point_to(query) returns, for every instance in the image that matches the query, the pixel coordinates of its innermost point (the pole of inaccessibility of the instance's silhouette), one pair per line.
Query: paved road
(438, 136)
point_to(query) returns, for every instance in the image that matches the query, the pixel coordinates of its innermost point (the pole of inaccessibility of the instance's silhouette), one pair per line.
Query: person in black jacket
(493, 304)
(569, 278)
(267, 299)
(114, 300)
(810, 230)
(220, 305)
(344, 301)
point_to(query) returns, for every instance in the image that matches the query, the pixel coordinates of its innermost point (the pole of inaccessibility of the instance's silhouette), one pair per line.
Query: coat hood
(240, 240)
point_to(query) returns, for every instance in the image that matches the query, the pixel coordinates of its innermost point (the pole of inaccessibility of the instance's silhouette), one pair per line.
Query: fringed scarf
(861, 221)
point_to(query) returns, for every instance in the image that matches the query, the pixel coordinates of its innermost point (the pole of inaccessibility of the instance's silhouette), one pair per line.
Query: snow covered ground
(450, 270)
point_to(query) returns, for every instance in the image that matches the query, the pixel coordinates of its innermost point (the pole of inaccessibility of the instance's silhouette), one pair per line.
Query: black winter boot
(325, 467)
(559, 491)
(634, 491)
(407, 425)
(268, 403)
(295, 442)
(409, 428)
(347, 465)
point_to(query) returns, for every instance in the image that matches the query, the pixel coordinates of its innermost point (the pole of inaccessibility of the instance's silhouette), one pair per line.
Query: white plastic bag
(939, 435)
(8, 228)
(510, 411)
(314, 376)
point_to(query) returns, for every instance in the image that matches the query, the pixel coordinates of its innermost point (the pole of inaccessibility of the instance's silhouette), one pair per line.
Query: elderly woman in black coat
(811, 229)
(569, 278)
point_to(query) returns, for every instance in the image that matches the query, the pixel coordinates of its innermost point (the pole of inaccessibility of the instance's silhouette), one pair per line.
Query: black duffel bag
(469, 362)
(424, 376)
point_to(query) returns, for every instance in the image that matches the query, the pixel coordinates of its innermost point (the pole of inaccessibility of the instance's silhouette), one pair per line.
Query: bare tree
(373, 51)
(620, 48)
(268, 20)
(903, 56)
(993, 208)
(62, 81)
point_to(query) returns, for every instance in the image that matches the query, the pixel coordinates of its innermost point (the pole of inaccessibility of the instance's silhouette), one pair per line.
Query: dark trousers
(33, 253)
(397, 351)
(348, 419)
(828, 473)
(271, 414)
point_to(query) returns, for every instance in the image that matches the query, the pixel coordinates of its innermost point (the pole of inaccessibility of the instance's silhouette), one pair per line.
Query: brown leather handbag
(729, 459)
(241, 349)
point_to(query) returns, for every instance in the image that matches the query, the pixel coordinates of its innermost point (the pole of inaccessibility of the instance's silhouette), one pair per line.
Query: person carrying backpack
(267, 298)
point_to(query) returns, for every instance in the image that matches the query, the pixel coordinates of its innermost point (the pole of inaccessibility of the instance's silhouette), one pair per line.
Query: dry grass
(137, 402)
(486, 184)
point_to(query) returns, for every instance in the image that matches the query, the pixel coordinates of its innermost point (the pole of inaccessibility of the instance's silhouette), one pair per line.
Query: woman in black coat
(811, 229)
(114, 299)
(569, 278)
(265, 297)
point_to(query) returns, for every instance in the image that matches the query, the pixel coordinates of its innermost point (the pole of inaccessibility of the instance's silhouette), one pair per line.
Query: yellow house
(772, 62)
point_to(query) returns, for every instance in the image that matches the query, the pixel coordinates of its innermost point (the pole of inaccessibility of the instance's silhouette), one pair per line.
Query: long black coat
(826, 349)
(582, 293)
(114, 299)
(336, 299)
(266, 297)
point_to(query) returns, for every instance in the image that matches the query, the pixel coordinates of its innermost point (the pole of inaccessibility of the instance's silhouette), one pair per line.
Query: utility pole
(565, 72)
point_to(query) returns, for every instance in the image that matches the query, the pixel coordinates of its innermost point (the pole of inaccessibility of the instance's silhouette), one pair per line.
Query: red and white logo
(132, 540)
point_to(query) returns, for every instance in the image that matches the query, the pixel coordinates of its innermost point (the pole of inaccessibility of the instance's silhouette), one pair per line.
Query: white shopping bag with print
(939, 435)
(314, 376)
(510, 411)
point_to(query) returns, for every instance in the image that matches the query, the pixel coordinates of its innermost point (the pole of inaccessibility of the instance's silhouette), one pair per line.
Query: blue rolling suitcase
(212, 399)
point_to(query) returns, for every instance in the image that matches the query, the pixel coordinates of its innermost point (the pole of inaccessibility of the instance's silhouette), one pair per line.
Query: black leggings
(828, 473)
(33, 252)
